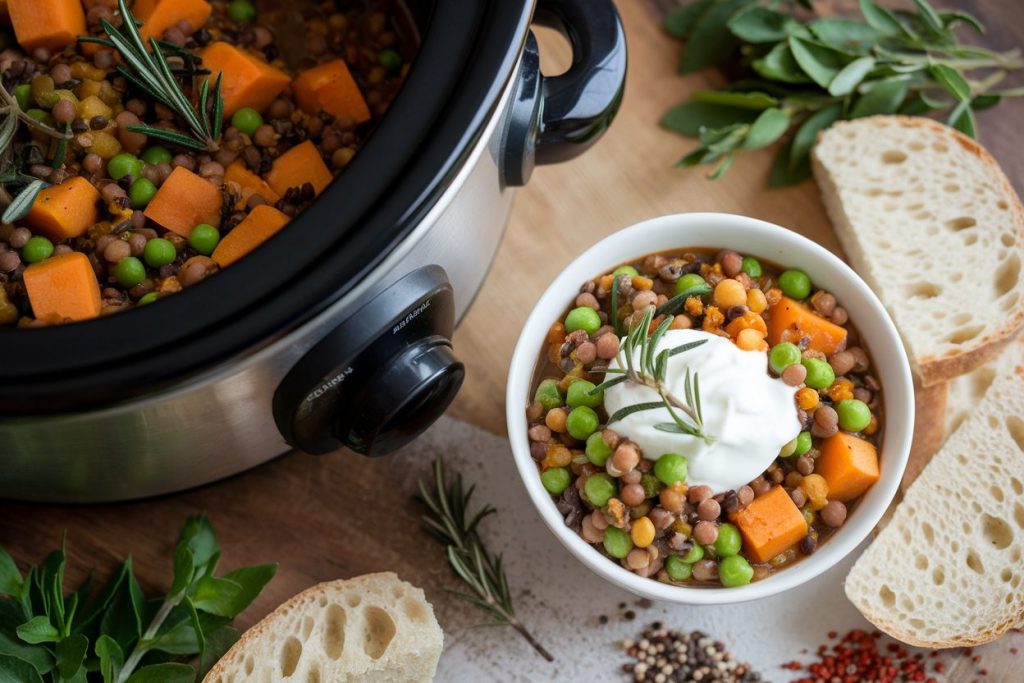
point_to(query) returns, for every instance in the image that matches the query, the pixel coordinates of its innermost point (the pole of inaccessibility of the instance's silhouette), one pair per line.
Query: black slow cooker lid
(467, 55)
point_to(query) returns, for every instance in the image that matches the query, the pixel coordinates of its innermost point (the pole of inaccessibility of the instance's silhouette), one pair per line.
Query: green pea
(148, 298)
(671, 468)
(651, 485)
(247, 120)
(37, 114)
(582, 318)
(22, 93)
(728, 541)
(599, 489)
(389, 59)
(820, 374)
(854, 415)
(159, 252)
(129, 271)
(677, 568)
(124, 164)
(689, 281)
(204, 238)
(548, 394)
(782, 356)
(241, 11)
(735, 571)
(694, 554)
(581, 422)
(751, 266)
(789, 449)
(803, 443)
(555, 480)
(141, 193)
(157, 154)
(625, 270)
(617, 542)
(579, 395)
(36, 249)
(598, 451)
(795, 284)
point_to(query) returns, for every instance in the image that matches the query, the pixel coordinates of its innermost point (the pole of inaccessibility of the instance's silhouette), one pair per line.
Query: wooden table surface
(341, 515)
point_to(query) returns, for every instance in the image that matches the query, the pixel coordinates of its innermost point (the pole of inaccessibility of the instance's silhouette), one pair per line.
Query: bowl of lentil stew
(808, 280)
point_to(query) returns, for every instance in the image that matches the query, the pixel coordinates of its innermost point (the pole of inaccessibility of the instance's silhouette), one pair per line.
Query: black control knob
(380, 378)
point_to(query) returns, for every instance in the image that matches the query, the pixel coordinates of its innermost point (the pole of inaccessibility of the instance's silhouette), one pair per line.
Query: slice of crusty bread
(928, 219)
(374, 628)
(947, 570)
(966, 392)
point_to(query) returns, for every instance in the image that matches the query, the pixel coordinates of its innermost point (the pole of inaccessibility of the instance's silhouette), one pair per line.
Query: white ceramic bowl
(771, 243)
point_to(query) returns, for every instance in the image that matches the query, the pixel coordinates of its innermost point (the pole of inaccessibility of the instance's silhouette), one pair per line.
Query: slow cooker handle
(558, 118)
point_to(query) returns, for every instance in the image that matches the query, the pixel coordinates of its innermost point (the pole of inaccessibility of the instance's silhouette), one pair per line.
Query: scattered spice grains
(859, 657)
(662, 656)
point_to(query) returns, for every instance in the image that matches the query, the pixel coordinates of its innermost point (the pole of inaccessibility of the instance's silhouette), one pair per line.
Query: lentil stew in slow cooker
(136, 163)
(705, 418)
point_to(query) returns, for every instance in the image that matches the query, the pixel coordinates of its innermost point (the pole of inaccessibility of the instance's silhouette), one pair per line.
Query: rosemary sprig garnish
(446, 520)
(147, 68)
(644, 365)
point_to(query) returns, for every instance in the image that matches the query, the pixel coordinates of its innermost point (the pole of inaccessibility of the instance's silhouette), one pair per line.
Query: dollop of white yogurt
(749, 414)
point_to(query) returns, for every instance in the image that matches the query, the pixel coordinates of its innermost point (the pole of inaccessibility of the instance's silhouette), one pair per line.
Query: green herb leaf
(740, 100)
(850, 76)
(884, 97)
(171, 136)
(10, 577)
(962, 118)
(818, 61)
(38, 630)
(771, 125)
(763, 25)
(881, 19)
(844, 34)
(950, 18)
(14, 670)
(710, 41)
(71, 654)
(929, 16)
(780, 65)
(197, 534)
(688, 119)
(217, 595)
(952, 80)
(252, 581)
(982, 102)
(683, 348)
(22, 203)
(217, 645)
(680, 21)
(635, 408)
(111, 657)
(168, 672)
(606, 384)
(184, 569)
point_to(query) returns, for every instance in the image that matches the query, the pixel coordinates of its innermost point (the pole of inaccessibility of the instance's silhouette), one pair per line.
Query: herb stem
(142, 647)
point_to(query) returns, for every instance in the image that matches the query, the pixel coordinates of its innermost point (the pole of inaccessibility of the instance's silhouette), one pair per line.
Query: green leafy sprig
(118, 635)
(646, 366)
(447, 520)
(794, 74)
(147, 69)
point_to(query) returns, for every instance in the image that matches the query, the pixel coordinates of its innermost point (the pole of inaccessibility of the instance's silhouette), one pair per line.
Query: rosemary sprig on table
(446, 520)
(646, 366)
(147, 68)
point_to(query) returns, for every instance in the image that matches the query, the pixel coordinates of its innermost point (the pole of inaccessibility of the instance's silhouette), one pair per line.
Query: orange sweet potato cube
(250, 183)
(771, 524)
(51, 24)
(159, 15)
(849, 465)
(66, 210)
(63, 288)
(248, 80)
(330, 87)
(261, 224)
(184, 201)
(790, 320)
(300, 165)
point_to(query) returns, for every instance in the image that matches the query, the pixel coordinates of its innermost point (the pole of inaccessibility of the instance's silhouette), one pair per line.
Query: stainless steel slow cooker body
(370, 369)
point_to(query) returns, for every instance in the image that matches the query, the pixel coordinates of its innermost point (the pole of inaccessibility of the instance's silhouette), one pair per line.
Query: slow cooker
(337, 332)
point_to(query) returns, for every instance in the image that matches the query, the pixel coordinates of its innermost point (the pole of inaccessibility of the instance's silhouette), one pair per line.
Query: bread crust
(932, 370)
(929, 429)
